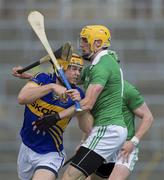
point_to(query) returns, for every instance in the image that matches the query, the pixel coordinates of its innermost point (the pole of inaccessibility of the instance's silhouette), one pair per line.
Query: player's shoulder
(109, 57)
(128, 85)
(108, 62)
(130, 88)
(42, 77)
(114, 55)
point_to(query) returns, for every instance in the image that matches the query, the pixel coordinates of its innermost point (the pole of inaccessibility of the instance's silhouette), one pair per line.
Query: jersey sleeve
(40, 78)
(101, 72)
(134, 98)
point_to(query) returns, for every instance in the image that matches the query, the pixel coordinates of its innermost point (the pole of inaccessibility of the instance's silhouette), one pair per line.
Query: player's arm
(99, 75)
(21, 76)
(32, 91)
(144, 113)
(87, 103)
(92, 93)
(85, 121)
(84, 118)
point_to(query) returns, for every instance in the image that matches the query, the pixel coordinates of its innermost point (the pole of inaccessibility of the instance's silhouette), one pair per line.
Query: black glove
(43, 123)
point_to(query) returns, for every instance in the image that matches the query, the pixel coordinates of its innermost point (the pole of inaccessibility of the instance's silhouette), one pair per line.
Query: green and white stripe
(97, 137)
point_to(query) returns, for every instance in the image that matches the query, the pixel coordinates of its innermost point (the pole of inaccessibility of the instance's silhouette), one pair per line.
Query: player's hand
(126, 149)
(23, 75)
(59, 90)
(45, 122)
(74, 94)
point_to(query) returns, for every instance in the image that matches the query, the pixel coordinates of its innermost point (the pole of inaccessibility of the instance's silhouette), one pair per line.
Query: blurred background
(137, 28)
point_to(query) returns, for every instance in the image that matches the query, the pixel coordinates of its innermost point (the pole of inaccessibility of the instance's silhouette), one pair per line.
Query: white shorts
(28, 161)
(106, 141)
(133, 158)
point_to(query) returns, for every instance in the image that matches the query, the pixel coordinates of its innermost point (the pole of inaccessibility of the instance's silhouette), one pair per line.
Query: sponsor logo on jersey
(40, 107)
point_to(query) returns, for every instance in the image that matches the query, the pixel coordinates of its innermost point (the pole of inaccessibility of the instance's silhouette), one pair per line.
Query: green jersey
(132, 99)
(105, 71)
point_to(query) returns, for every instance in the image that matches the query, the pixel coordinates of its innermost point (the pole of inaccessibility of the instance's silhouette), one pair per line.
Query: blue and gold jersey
(53, 140)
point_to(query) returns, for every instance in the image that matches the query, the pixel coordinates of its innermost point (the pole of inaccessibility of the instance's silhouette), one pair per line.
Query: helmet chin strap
(87, 57)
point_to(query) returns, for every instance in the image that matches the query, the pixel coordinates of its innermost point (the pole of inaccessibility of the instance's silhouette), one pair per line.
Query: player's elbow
(88, 130)
(21, 99)
(149, 118)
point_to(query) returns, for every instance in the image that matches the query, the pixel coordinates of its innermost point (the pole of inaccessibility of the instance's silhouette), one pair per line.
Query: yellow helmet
(75, 60)
(96, 32)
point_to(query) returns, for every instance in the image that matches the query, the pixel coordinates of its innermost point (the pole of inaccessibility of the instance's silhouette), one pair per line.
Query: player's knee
(72, 173)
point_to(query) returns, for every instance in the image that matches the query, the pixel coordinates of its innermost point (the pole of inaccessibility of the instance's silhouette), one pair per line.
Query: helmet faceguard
(96, 32)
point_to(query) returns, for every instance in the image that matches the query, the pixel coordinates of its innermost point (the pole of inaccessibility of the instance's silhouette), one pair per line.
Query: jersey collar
(97, 58)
